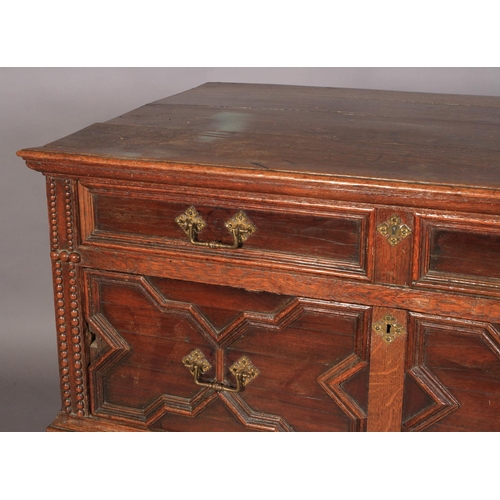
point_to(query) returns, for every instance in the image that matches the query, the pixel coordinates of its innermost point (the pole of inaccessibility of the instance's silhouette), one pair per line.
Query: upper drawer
(287, 233)
(458, 253)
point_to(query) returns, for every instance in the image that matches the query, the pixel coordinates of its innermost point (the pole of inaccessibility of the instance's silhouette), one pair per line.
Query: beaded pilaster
(68, 316)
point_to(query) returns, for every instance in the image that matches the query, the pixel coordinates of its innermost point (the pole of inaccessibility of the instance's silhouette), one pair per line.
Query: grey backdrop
(39, 105)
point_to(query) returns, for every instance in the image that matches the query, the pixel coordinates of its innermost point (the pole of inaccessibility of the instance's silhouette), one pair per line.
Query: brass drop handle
(239, 226)
(243, 370)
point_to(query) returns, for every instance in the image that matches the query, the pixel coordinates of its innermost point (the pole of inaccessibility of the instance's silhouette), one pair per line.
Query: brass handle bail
(239, 226)
(243, 370)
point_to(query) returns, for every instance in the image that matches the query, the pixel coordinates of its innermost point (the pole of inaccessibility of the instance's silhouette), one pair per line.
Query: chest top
(429, 138)
(364, 146)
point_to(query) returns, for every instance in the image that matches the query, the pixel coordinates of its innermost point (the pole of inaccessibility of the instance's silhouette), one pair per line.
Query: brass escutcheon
(239, 226)
(394, 230)
(389, 328)
(243, 370)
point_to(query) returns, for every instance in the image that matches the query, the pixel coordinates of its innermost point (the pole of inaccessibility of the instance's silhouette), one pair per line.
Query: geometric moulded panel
(458, 254)
(334, 239)
(145, 327)
(453, 375)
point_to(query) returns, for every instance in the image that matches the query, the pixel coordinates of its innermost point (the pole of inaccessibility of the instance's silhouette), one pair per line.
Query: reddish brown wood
(385, 397)
(343, 158)
(456, 364)
(458, 252)
(298, 235)
(319, 98)
(226, 140)
(286, 232)
(451, 127)
(341, 188)
(63, 221)
(222, 269)
(393, 263)
(150, 325)
(69, 423)
(317, 170)
(86, 211)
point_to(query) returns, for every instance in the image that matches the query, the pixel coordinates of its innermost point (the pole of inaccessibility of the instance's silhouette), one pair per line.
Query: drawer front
(458, 253)
(309, 357)
(452, 380)
(320, 238)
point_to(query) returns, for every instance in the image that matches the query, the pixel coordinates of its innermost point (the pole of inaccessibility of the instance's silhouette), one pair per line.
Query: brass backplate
(244, 370)
(191, 217)
(196, 359)
(394, 230)
(241, 225)
(389, 328)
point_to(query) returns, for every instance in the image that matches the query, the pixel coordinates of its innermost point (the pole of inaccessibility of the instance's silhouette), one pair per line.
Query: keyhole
(388, 328)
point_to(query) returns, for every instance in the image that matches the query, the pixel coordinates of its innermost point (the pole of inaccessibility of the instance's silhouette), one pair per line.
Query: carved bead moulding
(66, 290)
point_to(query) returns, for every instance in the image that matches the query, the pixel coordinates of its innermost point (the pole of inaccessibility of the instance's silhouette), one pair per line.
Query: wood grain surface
(356, 133)
(385, 399)
(317, 171)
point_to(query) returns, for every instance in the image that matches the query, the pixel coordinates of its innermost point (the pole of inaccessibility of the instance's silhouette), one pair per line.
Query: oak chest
(279, 258)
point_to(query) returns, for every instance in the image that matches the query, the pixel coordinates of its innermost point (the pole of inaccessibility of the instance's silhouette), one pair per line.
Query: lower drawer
(264, 361)
(175, 355)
